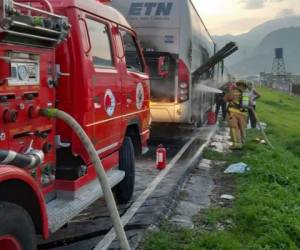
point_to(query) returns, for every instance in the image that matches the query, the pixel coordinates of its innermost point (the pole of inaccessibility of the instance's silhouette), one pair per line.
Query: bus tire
(198, 124)
(16, 228)
(125, 188)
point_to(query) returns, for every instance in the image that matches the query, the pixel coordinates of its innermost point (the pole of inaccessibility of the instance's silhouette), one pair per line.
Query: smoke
(203, 99)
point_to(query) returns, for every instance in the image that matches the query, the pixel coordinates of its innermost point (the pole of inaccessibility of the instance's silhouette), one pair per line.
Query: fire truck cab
(81, 57)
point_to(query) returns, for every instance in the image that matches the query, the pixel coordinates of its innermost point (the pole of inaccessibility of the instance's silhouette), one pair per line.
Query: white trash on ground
(227, 197)
(238, 168)
(249, 125)
(262, 125)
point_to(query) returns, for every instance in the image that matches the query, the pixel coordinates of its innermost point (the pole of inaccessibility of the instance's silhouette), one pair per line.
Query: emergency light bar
(35, 26)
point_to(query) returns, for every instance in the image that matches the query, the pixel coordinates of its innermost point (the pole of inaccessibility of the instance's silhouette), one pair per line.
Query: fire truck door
(105, 88)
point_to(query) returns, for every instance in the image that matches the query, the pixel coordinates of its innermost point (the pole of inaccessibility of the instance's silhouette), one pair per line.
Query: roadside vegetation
(266, 211)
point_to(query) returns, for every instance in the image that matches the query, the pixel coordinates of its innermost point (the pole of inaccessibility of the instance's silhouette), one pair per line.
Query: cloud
(254, 4)
(286, 13)
(257, 4)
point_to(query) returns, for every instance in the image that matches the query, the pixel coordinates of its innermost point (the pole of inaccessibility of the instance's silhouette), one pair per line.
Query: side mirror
(163, 66)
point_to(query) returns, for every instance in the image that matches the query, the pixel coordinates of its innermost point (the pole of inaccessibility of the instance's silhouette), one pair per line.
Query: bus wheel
(16, 228)
(199, 122)
(125, 188)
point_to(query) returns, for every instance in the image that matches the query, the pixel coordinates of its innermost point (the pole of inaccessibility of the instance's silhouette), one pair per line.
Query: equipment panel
(24, 70)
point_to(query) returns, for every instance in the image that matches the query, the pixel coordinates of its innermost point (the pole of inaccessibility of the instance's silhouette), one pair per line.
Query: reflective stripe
(245, 100)
(234, 138)
(233, 110)
(114, 118)
(102, 150)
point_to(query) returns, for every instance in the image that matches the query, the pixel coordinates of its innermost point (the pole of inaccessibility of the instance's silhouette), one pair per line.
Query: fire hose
(29, 160)
(261, 129)
(95, 160)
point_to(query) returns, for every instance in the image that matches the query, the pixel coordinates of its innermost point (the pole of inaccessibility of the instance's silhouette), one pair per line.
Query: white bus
(175, 43)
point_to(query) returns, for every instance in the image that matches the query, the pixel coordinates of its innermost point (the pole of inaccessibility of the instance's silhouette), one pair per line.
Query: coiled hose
(108, 195)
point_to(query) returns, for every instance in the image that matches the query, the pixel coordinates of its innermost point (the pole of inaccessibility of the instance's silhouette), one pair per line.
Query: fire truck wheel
(16, 228)
(124, 189)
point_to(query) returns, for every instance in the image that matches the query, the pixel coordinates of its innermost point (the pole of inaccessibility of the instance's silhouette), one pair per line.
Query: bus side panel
(203, 48)
(175, 27)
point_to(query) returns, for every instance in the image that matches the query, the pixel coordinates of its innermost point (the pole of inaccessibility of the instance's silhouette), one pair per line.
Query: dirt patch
(224, 184)
(216, 217)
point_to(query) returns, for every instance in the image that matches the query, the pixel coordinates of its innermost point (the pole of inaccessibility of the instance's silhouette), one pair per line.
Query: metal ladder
(24, 24)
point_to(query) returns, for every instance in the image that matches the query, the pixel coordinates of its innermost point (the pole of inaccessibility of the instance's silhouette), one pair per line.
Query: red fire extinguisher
(161, 157)
(211, 118)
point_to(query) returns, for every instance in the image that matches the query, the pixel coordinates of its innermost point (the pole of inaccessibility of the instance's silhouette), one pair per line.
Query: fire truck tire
(17, 224)
(125, 188)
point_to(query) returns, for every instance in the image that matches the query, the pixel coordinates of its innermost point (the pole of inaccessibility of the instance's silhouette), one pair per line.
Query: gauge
(23, 72)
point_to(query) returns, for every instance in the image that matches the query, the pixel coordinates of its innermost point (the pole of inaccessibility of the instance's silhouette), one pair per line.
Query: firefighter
(220, 104)
(238, 102)
(254, 95)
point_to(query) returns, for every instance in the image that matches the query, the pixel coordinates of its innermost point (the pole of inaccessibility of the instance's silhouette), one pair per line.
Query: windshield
(162, 88)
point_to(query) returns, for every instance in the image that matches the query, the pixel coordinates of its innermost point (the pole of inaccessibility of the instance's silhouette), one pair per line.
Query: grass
(266, 211)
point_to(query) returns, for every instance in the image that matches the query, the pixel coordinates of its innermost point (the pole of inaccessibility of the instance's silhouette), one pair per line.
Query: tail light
(183, 82)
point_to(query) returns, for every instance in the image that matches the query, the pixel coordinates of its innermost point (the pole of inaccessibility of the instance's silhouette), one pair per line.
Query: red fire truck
(81, 57)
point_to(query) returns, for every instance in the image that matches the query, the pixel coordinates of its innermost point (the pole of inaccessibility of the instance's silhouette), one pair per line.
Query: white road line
(110, 236)
(200, 150)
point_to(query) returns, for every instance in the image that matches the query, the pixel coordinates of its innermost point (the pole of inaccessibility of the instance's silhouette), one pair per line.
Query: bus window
(162, 88)
(205, 57)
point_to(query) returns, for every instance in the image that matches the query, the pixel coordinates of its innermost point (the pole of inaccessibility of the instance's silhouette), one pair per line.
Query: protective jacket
(238, 101)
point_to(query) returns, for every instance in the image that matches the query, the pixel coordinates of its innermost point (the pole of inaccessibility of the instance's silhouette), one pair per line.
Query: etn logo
(150, 9)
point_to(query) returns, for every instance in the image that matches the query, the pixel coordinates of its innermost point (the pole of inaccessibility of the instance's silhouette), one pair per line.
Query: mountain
(261, 58)
(249, 43)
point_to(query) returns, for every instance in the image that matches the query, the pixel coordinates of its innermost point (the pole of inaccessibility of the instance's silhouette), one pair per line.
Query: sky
(239, 16)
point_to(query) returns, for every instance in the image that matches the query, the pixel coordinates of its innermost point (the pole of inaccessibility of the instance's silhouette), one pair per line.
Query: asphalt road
(85, 231)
